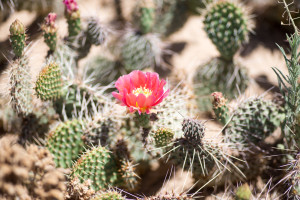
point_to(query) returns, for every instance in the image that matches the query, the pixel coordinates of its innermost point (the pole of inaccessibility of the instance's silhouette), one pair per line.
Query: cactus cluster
(111, 121)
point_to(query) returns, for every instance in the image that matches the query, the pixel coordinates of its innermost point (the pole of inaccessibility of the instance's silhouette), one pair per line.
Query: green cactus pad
(108, 195)
(95, 32)
(227, 26)
(128, 175)
(163, 137)
(137, 53)
(74, 25)
(66, 143)
(49, 83)
(99, 166)
(17, 37)
(21, 87)
(219, 75)
(253, 121)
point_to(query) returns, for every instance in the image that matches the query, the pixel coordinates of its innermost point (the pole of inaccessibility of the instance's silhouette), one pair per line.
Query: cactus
(147, 18)
(95, 34)
(99, 131)
(73, 18)
(49, 83)
(99, 165)
(103, 70)
(253, 121)
(219, 75)
(163, 137)
(220, 107)
(169, 196)
(243, 192)
(17, 37)
(108, 195)
(21, 87)
(191, 152)
(170, 16)
(138, 52)
(66, 142)
(50, 31)
(227, 25)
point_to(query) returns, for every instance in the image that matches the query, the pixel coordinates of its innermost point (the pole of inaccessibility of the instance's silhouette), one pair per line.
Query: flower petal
(149, 101)
(138, 78)
(131, 100)
(162, 97)
(141, 100)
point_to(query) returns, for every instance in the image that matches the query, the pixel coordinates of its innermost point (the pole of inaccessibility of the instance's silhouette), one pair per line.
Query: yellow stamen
(142, 90)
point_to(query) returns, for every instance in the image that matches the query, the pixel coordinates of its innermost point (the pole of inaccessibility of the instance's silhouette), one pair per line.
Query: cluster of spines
(49, 83)
(66, 142)
(163, 137)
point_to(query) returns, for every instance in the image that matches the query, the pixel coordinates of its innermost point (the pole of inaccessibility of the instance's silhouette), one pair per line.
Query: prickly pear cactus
(17, 37)
(21, 87)
(98, 165)
(66, 143)
(227, 25)
(219, 75)
(108, 195)
(253, 121)
(138, 52)
(73, 18)
(49, 83)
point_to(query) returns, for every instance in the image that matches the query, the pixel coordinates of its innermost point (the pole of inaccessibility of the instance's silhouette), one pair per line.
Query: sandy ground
(198, 50)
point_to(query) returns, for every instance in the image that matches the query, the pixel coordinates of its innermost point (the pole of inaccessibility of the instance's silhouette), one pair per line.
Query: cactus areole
(140, 91)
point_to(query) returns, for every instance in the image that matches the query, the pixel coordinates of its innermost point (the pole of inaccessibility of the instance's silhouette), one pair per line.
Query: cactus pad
(97, 165)
(49, 83)
(108, 195)
(17, 37)
(163, 137)
(66, 143)
(227, 25)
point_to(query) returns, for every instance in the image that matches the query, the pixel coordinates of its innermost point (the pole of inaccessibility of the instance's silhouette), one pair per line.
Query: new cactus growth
(73, 18)
(163, 137)
(50, 31)
(220, 107)
(66, 142)
(147, 18)
(17, 37)
(227, 25)
(21, 87)
(99, 165)
(49, 83)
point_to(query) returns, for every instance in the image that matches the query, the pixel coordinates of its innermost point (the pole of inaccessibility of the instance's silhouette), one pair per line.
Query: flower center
(142, 90)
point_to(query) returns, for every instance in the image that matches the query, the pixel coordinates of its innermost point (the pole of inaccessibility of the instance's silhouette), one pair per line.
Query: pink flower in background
(140, 91)
(50, 19)
(71, 5)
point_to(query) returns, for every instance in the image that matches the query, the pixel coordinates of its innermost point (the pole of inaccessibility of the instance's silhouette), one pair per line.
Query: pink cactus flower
(50, 19)
(71, 5)
(140, 91)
